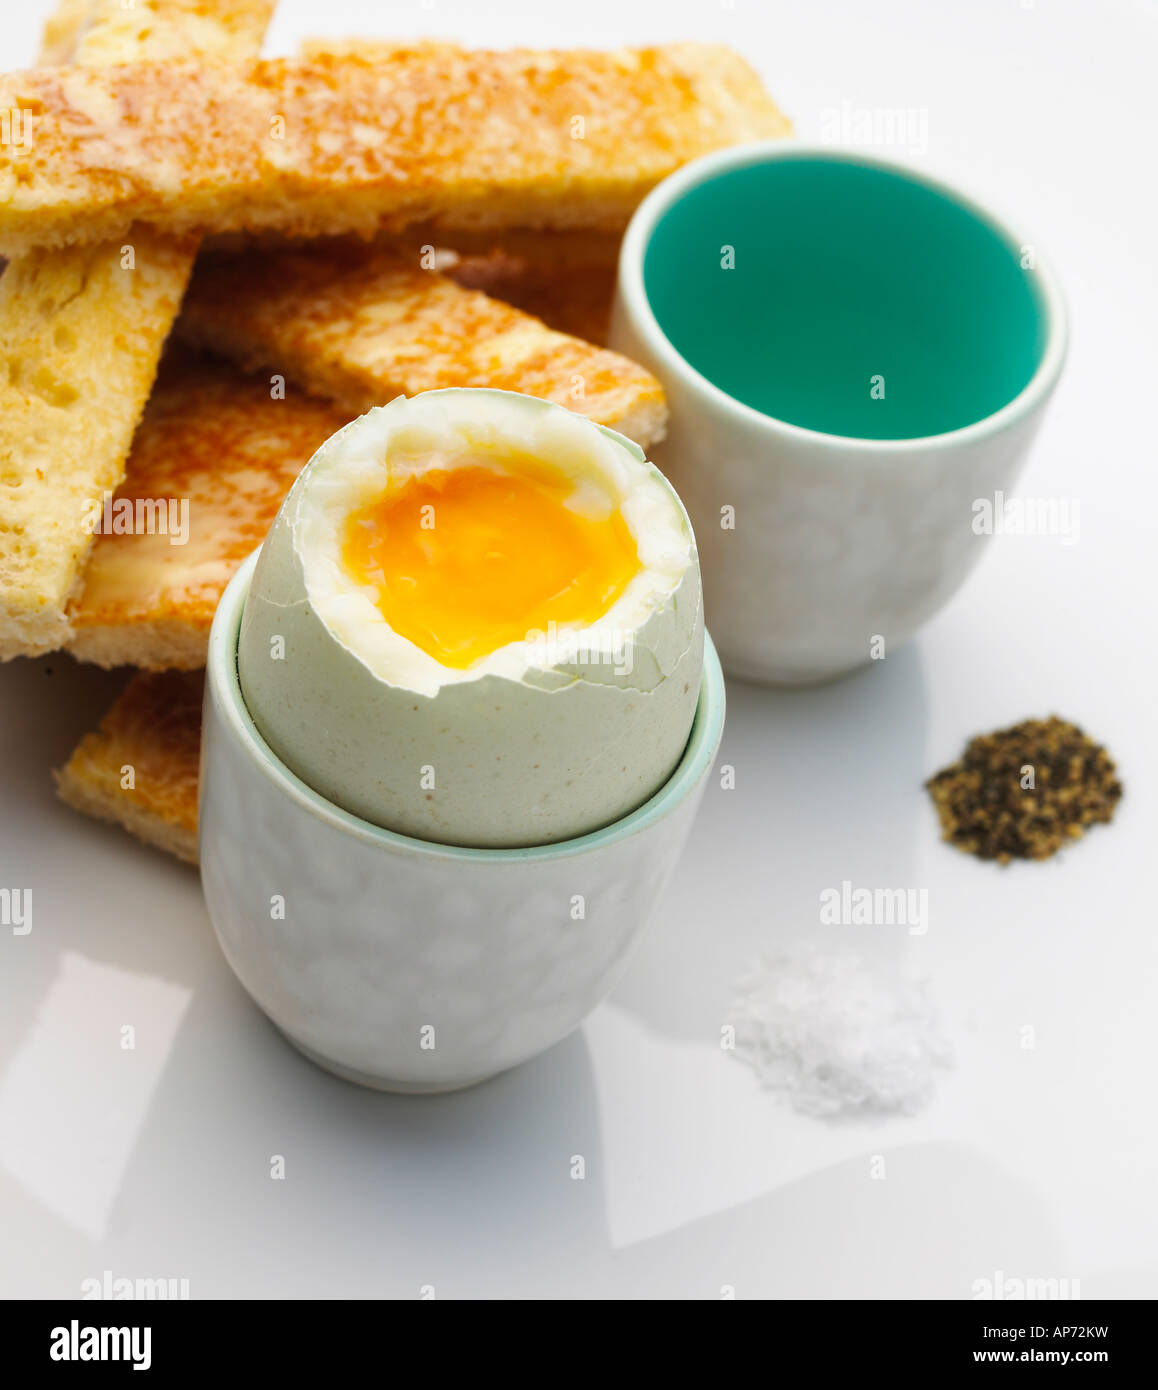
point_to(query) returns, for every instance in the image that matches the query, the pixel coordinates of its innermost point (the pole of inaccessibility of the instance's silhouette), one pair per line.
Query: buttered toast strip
(362, 326)
(63, 30)
(212, 460)
(578, 303)
(92, 32)
(80, 338)
(566, 279)
(140, 768)
(155, 30)
(227, 447)
(347, 144)
(81, 331)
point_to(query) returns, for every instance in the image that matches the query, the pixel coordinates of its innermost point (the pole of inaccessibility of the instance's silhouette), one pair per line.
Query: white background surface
(1041, 1162)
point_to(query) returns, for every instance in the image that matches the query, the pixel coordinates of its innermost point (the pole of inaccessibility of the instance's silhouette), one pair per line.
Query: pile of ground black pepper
(1024, 792)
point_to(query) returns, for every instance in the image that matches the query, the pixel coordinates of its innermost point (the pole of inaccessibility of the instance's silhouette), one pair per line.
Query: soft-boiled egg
(477, 620)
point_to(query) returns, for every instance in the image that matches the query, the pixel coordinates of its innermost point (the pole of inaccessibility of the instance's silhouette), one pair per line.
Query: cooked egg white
(477, 620)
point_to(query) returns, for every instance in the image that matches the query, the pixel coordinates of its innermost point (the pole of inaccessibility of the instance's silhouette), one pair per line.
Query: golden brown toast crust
(375, 50)
(63, 30)
(81, 331)
(352, 323)
(572, 297)
(349, 144)
(80, 337)
(225, 445)
(361, 326)
(92, 32)
(157, 30)
(567, 279)
(140, 768)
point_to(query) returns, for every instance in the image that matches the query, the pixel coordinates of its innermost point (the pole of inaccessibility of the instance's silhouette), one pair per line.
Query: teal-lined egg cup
(855, 354)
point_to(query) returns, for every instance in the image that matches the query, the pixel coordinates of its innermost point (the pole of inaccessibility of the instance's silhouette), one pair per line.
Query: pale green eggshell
(492, 762)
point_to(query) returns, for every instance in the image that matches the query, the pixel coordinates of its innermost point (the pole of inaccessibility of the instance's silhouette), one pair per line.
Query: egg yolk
(466, 560)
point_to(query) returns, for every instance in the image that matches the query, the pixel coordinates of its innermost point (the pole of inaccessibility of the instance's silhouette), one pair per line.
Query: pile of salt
(839, 1036)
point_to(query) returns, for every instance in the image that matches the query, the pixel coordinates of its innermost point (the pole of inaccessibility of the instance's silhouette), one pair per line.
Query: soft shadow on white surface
(827, 788)
(382, 1196)
(941, 1217)
(69, 1118)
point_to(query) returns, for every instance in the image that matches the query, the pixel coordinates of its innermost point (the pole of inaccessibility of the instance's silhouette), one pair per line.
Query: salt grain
(839, 1036)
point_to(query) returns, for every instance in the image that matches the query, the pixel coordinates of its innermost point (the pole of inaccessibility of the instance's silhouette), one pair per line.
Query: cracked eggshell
(510, 758)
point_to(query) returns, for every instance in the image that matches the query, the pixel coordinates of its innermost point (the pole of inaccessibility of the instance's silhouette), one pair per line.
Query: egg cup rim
(223, 689)
(635, 302)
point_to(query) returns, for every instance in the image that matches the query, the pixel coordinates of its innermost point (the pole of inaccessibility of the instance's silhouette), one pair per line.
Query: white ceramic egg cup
(402, 964)
(839, 541)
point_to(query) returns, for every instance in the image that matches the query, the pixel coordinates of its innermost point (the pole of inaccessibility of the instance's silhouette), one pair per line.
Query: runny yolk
(465, 560)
